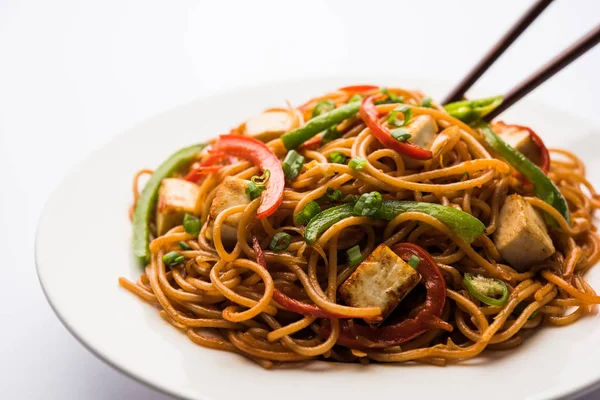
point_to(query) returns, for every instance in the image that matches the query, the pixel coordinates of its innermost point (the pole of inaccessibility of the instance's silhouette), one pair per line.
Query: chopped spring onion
(391, 98)
(356, 98)
(254, 190)
(292, 164)
(337, 157)
(323, 107)
(192, 224)
(401, 134)
(406, 112)
(280, 241)
(427, 102)
(349, 198)
(354, 256)
(521, 307)
(173, 258)
(490, 291)
(311, 209)
(464, 176)
(184, 246)
(368, 204)
(264, 178)
(414, 262)
(330, 197)
(357, 163)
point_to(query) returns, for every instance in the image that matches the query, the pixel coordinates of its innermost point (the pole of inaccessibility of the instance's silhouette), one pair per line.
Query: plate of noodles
(323, 238)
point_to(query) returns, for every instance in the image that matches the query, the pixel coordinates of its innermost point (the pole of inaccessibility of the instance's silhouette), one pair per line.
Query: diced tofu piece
(231, 193)
(520, 139)
(521, 237)
(382, 280)
(423, 130)
(176, 197)
(269, 125)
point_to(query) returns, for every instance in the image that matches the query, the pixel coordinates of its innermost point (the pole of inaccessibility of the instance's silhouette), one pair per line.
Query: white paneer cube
(269, 125)
(382, 280)
(519, 139)
(521, 236)
(423, 130)
(176, 197)
(230, 193)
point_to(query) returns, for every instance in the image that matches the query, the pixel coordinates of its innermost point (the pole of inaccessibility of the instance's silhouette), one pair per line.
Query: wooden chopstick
(509, 37)
(570, 54)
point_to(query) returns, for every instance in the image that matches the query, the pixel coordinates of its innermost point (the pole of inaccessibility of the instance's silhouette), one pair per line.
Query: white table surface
(73, 75)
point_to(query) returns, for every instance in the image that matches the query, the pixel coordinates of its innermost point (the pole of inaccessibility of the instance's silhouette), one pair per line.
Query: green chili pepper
(490, 291)
(295, 138)
(470, 111)
(323, 107)
(147, 201)
(462, 224)
(542, 185)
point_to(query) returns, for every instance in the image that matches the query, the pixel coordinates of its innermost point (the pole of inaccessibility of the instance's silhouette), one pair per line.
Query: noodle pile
(222, 297)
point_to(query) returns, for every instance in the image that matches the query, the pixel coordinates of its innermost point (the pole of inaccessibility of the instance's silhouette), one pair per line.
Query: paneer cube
(230, 193)
(521, 237)
(269, 125)
(423, 130)
(382, 280)
(176, 197)
(519, 139)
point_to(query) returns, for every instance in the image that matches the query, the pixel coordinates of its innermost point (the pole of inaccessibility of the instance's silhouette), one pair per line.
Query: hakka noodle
(367, 225)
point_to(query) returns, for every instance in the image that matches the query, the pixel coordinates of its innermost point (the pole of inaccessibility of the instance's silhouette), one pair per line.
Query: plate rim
(574, 392)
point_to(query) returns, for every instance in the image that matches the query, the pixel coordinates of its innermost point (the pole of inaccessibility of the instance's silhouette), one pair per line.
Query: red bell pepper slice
(358, 89)
(370, 115)
(428, 317)
(260, 155)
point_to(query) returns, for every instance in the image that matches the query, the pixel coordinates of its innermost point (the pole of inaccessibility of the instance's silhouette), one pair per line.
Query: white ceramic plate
(83, 246)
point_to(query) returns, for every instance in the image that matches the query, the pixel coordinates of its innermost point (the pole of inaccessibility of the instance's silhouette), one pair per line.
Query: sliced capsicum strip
(295, 138)
(370, 116)
(464, 225)
(470, 111)
(147, 201)
(543, 187)
(260, 155)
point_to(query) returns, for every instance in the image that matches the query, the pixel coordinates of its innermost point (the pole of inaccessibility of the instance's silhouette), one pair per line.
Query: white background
(73, 75)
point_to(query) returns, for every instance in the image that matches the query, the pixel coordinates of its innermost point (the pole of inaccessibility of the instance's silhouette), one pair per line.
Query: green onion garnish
(280, 241)
(192, 224)
(292, 164)
(173, 258)
(427, 102)
(401, 134)
(490, 291)
(334, 195)
(264, 178)
(184, 246)
(391, 98)
(406, 112)
(323, 107)
(414, 261)
(354, 256)
(310, 210)
(254, 190)
(349, 198)
(357, 163)
(337, 157)
(368, 204)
